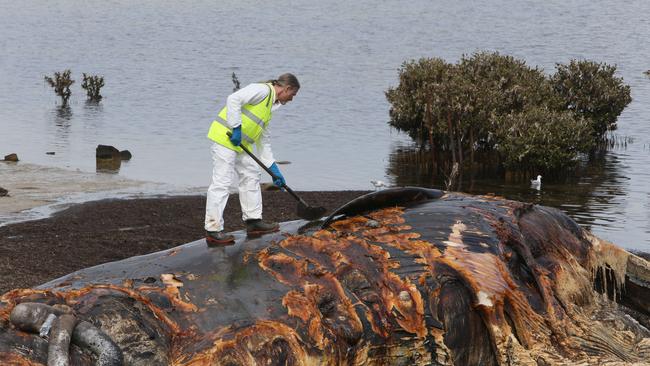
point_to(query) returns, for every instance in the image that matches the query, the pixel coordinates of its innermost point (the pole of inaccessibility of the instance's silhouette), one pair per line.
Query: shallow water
(37, 191)
(168, 67)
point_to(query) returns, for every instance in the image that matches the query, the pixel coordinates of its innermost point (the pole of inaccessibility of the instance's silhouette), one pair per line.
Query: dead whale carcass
(425, 279)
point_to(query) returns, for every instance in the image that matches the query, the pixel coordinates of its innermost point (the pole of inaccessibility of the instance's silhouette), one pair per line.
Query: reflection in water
(62, 118)
(411, 166)
(93, 115)
(93, 107)
(592, 194)
(108, 165)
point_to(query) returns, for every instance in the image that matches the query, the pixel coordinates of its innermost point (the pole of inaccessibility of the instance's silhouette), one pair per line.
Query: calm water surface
(167, 67)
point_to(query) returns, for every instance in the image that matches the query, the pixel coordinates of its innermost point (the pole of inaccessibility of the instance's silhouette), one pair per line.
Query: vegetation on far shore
(494, 109)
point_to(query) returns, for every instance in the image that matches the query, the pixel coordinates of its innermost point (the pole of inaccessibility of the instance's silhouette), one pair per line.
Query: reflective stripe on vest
(223, 122)
(255, 119)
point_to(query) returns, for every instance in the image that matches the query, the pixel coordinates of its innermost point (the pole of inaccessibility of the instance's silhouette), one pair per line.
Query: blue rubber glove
(235, 139)
(279, 179)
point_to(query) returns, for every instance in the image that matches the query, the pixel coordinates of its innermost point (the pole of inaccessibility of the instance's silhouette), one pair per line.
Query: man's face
(286, 94)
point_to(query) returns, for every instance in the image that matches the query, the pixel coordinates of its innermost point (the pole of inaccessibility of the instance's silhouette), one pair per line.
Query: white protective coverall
(226, 162)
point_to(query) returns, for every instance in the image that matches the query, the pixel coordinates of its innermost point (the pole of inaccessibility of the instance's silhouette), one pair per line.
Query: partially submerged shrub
(418, 93)
(61, 84)
(494, 85)
(92, 85)
(541, 139)
(451, 107)
(502, 84)
(592, 90)
(461, 109)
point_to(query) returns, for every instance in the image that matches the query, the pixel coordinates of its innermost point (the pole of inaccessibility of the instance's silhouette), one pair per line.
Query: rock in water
(125, 155)
(3, 192)
(107, 152)
(11, 157)
(457, 279)
(109, 159)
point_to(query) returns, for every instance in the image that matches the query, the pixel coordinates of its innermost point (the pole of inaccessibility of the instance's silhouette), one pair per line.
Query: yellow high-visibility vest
(254, 120)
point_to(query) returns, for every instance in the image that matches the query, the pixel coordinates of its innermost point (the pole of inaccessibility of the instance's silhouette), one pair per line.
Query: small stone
(50, 153)
(3, 192)
(11, 157)
(125, 155)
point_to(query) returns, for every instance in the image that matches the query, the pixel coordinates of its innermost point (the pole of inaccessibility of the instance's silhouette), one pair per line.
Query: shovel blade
(310, 213)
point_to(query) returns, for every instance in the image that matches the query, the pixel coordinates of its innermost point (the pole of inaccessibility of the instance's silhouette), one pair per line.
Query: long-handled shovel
(304, 211)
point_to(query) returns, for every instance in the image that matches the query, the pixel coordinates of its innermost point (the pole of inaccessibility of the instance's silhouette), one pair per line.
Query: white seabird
(378, 184)
(536, 183)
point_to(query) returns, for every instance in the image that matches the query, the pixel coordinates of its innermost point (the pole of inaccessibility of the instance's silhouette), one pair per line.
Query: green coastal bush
(490, 104)
(540, 139)
(592, 91)
(417, 93)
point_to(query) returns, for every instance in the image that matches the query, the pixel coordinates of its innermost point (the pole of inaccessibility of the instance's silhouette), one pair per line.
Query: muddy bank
(97, 232)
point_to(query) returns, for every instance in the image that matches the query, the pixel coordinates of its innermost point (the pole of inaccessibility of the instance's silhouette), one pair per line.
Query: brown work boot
(218, 238)
(256, 227)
